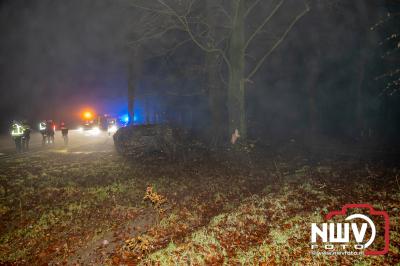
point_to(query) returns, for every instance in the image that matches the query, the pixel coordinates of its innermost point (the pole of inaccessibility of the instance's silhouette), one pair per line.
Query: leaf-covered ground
(89, 208)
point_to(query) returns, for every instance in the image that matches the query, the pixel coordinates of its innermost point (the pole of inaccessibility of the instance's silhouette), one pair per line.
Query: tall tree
(134, 74)
(231, 40)
(388, 28)
(236, 85)
(215, 87)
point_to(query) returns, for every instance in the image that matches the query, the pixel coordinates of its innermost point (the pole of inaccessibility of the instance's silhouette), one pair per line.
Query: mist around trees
(268, 69)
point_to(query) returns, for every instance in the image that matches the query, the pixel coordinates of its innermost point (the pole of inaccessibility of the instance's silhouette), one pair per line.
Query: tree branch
(185, 24)
(248, 11)
(225, 13)
(267, 19)
(261, 61)
(172, 50)
(156, 35)
(151, 9)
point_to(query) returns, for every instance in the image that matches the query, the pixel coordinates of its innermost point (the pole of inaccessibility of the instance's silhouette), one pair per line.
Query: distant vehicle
(90, 128)
(86, 126)
(112, 126)
(103, 121)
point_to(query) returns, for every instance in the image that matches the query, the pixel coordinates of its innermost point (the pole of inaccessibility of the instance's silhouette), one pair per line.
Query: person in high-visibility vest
(42, 130)
(17, 132)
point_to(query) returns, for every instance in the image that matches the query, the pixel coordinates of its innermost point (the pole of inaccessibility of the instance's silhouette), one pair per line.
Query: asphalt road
(79, 142)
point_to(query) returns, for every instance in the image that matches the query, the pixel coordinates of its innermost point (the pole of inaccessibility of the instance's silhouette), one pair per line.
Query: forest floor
(99, 208)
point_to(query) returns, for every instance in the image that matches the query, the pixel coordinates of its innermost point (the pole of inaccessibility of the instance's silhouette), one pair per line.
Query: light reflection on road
(79, 142)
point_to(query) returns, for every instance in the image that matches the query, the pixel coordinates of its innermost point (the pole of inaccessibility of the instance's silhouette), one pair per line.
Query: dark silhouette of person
(26, 137)
(50, 131)
(64, 132)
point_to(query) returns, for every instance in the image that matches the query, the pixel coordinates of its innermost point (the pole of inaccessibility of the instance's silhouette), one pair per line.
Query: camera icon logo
(336, 235)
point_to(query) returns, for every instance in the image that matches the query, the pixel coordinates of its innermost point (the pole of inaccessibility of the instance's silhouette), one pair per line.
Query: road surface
(79, 142)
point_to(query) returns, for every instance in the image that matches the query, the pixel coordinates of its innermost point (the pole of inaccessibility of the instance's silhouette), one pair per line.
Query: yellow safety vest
(17, 130)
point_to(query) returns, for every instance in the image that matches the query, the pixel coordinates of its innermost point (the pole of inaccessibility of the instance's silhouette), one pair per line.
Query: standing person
(64, 132)
(50, 131)
(42, 129)
(17, 134)
(26, 136)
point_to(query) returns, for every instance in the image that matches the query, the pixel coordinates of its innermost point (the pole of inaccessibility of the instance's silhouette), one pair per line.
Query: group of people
(20, 131)
(47, 129)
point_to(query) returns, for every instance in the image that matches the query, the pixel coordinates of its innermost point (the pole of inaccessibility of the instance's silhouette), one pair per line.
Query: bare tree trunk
(312, 84)
(216, 90)
(360, 123)
(236, 86)
(134, 72)
(147, 109)
(217, 101)
(364, 22)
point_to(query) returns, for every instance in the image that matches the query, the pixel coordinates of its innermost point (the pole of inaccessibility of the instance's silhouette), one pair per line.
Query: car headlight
(112, 129)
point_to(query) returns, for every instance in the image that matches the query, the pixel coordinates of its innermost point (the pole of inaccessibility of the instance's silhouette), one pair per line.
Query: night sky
(58, 57)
